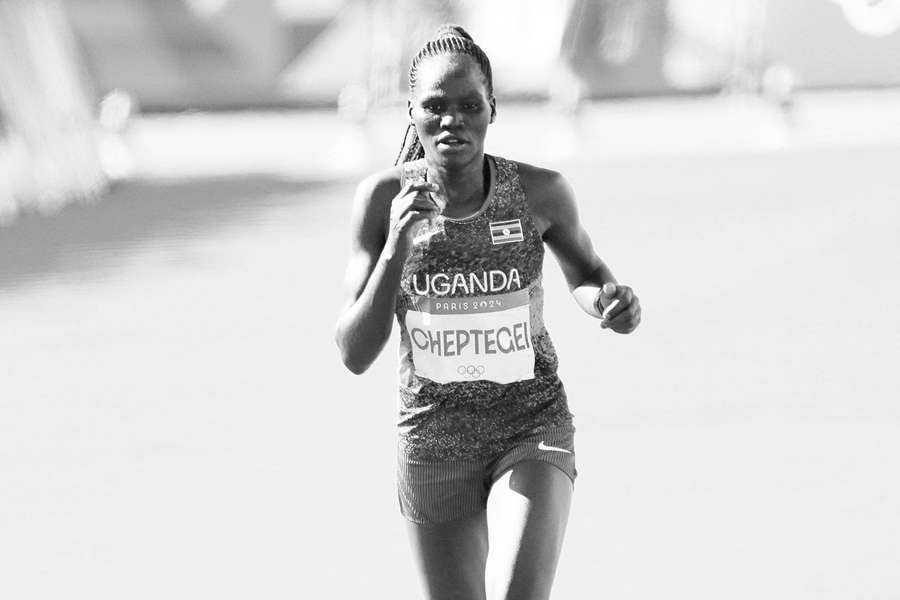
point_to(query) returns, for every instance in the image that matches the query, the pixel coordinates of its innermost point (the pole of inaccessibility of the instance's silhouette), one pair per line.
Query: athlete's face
(451, 109)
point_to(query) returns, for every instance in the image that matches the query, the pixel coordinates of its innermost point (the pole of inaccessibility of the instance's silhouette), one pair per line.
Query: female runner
(450, 241)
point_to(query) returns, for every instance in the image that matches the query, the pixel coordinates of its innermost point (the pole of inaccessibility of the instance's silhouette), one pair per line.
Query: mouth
(451, 141)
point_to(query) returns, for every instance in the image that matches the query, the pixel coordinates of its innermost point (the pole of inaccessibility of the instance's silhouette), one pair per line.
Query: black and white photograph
(449, 300)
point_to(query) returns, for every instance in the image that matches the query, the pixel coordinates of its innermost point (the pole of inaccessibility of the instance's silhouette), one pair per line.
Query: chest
(482, 257)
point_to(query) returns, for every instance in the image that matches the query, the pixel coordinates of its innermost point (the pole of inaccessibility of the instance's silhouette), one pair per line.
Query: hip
(466, 430)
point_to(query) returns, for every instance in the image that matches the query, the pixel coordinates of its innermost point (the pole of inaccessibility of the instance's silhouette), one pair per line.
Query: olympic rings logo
(473, 371)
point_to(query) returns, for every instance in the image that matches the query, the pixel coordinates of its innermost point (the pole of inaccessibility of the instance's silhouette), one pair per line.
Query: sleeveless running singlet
(477, 367)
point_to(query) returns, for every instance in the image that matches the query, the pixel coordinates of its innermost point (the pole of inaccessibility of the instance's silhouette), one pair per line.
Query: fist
(619, 307)
(412, 205)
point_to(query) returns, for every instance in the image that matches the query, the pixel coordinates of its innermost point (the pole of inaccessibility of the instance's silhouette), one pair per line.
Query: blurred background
(175, 180)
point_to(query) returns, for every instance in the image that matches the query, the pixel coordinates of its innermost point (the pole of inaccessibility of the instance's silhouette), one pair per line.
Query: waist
(470, 420)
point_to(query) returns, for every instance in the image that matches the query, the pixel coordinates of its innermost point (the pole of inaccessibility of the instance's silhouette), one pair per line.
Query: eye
(472, 106)
(432, 107)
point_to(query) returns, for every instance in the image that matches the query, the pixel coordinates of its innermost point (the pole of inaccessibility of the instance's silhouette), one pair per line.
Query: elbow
(354, 366)
(353, 363)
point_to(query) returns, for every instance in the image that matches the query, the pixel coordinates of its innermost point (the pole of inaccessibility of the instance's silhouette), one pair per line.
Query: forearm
(365, 326)
(587, 292)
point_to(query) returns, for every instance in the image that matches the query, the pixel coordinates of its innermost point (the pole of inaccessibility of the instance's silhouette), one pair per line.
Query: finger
(637, 321)
(416, 201)
(629, 328)
(622, 311)
(624, 299)
(412, 217)
(626, 321)
(607, 293)
(622, 324)
(634, 322)
(420, 186)
(415, 187)
(609, 307)
(423, 202)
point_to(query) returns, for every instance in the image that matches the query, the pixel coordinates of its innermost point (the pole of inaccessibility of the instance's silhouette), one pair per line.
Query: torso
(477, 367)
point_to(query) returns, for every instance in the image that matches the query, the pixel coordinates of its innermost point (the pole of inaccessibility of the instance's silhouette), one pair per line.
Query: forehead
(449, 74)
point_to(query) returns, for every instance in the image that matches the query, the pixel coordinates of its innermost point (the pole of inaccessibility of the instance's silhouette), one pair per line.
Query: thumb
(607, 294)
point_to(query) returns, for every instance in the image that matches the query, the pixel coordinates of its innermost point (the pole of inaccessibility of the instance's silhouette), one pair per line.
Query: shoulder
(372, 201)
(379, 186)
(548, 193)
(541, 182)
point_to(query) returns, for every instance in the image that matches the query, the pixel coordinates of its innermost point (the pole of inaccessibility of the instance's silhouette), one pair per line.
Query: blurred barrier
(48, 144)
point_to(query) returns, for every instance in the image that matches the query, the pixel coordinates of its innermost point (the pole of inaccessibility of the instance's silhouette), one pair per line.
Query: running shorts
(440, 491)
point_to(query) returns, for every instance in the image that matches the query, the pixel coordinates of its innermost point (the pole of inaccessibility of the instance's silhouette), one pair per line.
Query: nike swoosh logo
(543, 446)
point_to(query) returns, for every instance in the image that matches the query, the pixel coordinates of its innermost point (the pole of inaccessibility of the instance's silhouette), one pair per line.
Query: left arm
(591, 282)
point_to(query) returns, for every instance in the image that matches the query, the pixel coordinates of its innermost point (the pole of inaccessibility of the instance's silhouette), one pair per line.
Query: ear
(493, 110)
(409, 108)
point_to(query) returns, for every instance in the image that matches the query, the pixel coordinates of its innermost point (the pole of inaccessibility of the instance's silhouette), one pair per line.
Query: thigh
(528, 509)
(451, 556)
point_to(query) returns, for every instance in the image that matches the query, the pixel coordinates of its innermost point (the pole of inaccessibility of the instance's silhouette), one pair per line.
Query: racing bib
(474, 338)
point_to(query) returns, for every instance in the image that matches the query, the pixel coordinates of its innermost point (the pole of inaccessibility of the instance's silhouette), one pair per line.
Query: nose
(451, 119)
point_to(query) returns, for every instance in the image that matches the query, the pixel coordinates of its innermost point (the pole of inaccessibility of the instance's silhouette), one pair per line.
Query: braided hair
(448, 39)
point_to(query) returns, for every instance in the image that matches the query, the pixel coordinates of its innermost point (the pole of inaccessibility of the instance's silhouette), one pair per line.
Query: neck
(463, 186)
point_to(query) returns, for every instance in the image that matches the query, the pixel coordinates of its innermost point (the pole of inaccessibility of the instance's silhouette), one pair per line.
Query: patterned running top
(477, 367)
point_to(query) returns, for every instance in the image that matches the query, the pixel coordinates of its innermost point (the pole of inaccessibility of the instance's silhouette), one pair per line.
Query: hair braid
(449, 39)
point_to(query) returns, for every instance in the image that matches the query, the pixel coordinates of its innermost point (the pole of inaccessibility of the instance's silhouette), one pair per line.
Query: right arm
(376, 263)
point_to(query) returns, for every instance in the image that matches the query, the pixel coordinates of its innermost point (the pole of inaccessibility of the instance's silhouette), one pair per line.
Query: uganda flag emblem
(506, 232)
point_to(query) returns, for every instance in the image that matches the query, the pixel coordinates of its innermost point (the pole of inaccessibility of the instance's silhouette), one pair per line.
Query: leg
(528, 509)
(451, 557)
